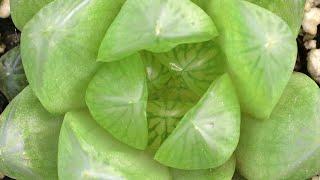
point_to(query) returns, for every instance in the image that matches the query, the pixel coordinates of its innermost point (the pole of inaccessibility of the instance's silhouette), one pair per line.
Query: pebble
(311, 20)
(2, 48)
(5, 9)
(315, 178)
(311, 44)
(310, 23)
(314, 64)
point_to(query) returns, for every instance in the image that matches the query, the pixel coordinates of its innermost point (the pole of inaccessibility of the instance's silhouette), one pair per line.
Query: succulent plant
(161, 89)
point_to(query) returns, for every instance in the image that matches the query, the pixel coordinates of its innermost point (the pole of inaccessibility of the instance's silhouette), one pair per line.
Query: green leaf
(196, 65)
(12, 77)
(208, 134)
(28, 139)
(177, 79)
(163, 117)
(289, 10)
(117, 98)
(23, 10)
(86, 151)
(59, 49)
(162, 84)
(201, 3)
(157, 25)
(285, 146)
(184, 73)
(261, 52)
(224, 172)
(158, 75)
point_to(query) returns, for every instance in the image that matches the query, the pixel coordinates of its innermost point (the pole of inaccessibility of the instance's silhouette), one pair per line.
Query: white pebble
(316, 2)
(309, 4)
(315, 178)
(314, 64)
(2, 48)
(311, 20)
(4, 8)
(311, 44)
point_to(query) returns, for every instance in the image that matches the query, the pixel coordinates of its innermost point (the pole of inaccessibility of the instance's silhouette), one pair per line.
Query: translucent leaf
(117, 99)
(28, 139)
(289, 10)
(12, 77)
(285, 146)
(157, 25)
(86, 151)
(261, 52)
(208, 134)
(23, 10)
(196, 65)
(184, 73)
(162, 85)
(163, 117)
(224, 172)
(59, 49)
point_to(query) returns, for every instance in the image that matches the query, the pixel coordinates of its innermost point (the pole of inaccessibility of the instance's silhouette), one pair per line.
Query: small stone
(311, 44)
(316, 2)
(311, 20)
(4, 8)
(308, 37)
(314, 64)
(2, 48)
(309, 4)
(315, 178)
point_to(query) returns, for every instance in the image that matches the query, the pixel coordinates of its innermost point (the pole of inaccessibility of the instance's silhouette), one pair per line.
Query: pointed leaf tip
(261, 52)
(208, 134)
(119, 111)
(157, 25)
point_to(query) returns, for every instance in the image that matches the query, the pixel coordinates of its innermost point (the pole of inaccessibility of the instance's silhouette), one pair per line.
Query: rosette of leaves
(157, 89)
(12, 76)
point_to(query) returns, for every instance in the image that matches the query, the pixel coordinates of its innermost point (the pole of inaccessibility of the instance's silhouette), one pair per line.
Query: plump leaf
(195, 65)
(177, 79)
(86, 151)
(208, 134)
(59, 48)
(224, 172)
(163, 117)
(285, 146)
(289, 10)
(261, 53)
(158, 75)
(117, 98)
(12, 77)
(157, 25)
(28, 139)
(23, 10)
(162, 84)
(184, 73)
(201, 3)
